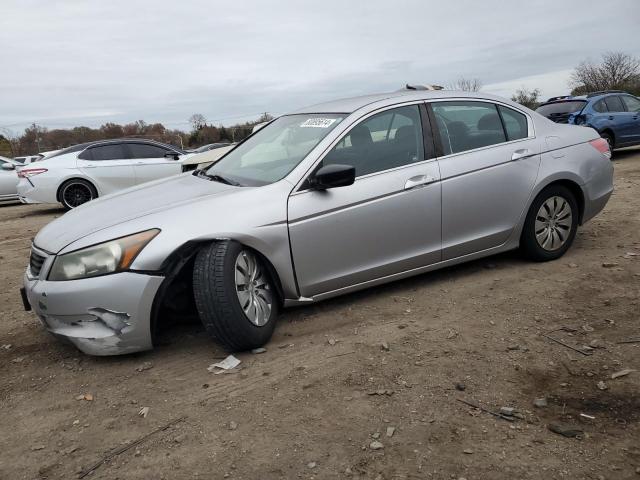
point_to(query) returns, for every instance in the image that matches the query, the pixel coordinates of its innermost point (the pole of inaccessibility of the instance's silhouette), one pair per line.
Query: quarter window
(144, 150)
(614, 104)
(468, 125)
(389, 139)
(515, 123)
(632, 103)
(105, 152)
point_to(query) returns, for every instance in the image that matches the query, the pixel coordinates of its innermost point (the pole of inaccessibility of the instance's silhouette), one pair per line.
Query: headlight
(108, 257)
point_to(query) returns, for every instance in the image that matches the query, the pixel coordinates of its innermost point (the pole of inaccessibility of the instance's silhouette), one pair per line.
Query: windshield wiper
(217, 178)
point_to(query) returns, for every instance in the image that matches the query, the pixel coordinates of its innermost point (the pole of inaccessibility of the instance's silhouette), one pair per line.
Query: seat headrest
(490, 121)
(360, 136)
(458, 128)
(406, 133)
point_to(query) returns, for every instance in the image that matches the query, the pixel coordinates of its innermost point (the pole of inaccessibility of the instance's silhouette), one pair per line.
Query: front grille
(35, 263)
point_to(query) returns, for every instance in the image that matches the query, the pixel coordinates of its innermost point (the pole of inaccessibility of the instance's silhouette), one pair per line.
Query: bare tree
(616, 71)
(467, 84)
(527, 98)
(197, 121)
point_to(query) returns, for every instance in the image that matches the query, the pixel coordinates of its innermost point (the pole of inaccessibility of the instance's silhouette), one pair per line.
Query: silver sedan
(321, 202)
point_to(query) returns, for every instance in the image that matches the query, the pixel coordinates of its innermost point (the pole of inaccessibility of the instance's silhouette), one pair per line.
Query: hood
(165, 194)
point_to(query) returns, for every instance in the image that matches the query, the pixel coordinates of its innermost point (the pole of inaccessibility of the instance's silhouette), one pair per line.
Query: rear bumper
(108, 315)
(597, 192)
(29, 192)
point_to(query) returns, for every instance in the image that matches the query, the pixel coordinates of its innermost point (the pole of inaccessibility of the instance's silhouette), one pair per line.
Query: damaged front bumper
(107, 315)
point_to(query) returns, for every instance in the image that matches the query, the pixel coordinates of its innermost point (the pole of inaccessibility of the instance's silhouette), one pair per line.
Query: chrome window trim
(530, 135)
(298, 187)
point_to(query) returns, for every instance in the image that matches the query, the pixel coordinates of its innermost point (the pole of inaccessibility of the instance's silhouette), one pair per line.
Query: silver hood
(124, 206)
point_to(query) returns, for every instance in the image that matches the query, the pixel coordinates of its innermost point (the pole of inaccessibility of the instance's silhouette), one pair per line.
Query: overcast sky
(67, 63)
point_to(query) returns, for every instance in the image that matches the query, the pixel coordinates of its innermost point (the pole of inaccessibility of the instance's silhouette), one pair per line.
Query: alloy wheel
(252, 288)
(75, 194)
(553, 223)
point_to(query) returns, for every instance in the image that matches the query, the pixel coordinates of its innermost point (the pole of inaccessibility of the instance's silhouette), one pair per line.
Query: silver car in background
(324, 201)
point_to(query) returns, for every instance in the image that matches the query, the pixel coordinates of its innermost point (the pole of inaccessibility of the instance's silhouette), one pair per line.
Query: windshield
(273, 151)
(559, 108)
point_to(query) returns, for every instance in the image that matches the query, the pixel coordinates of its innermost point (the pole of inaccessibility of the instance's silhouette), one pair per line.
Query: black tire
(528, 241)
(75, 192)
(609, 138)
(217, 301)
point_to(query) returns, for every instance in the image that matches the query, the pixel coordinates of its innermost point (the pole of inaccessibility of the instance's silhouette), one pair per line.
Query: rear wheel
(551, 224)
(234, 295)
(75, 192)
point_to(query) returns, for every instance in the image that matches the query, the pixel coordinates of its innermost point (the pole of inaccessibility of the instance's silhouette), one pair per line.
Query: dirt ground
(342, 374)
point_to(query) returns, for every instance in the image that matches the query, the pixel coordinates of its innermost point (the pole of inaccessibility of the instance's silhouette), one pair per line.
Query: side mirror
(331, 176)
(172, 155)
(8, 166)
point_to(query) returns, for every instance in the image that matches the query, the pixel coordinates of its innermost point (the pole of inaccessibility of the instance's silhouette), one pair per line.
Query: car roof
(350, 105)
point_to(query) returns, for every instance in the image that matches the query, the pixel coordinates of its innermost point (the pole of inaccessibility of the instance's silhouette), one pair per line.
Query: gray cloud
(88, 62)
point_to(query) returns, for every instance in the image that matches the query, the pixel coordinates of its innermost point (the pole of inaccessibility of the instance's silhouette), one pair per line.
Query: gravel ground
(363, 386)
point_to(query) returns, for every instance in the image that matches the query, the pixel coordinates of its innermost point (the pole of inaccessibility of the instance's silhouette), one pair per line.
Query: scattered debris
(513, 347)
(452, 334)
(144, 366)
(631, 340)
(18, 360)
(381, 391)
(610, 264)
(385, 346)
(228, 363)
(341, 354)
(123, 449)
(587, 328)
(85, 396)
(37, 447)
(588, 417)
(601, 385)
(573, 265)
(495, 414)
(6, 346)
(461, 387)
(468, 451)
(332, 341)
(144, 411)
(311, 465)
(258, 350)
(391, 431)
(71, 449)
(540, 402)
(233, 425)
(622, 373)
(566, 345)
(508, 411)
(565, 430)
(375, 435)
(376, 445)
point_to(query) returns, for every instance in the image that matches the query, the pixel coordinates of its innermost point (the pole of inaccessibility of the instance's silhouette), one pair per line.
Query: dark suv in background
(614, 114)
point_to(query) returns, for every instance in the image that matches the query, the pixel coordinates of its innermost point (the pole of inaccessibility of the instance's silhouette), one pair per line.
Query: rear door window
(467, 125)
(106, 152)
(632, 103)
(600, 106)
(614, 104)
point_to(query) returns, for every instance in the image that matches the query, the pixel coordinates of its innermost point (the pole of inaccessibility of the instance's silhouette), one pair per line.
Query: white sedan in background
(8, 180)
(81, 173)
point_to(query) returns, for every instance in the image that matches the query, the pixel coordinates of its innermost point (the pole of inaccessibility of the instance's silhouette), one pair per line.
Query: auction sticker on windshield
(318, 122)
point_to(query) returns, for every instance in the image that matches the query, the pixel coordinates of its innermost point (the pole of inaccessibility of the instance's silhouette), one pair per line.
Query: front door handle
(610, 117)
(522, 153)
(418, 181)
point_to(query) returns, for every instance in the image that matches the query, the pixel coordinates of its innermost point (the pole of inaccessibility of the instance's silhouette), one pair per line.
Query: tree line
(615, 71)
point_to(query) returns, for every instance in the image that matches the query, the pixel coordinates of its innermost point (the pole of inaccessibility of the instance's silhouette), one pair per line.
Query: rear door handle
(418, 181)
(522, 153)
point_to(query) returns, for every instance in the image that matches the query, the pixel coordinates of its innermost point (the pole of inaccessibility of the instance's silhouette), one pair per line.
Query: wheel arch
(179, 265)
(75, 177)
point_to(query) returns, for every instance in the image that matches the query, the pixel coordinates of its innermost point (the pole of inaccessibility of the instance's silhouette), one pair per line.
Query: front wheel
(610, 141)
(551, 224)
(234, 295)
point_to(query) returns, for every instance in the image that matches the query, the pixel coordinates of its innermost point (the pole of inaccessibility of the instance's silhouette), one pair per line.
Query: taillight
(30, 172)
(602, 146)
